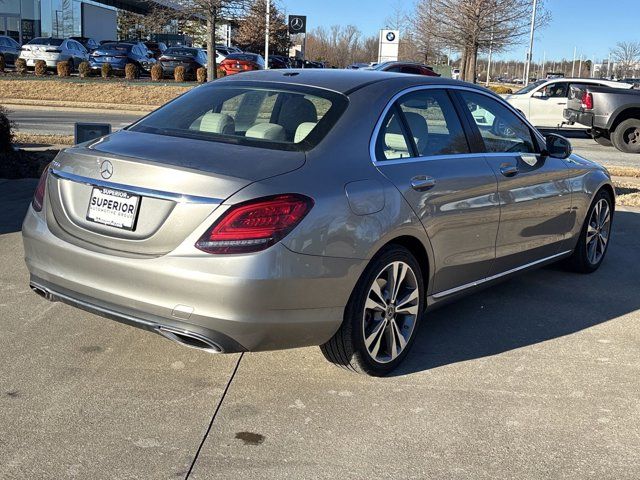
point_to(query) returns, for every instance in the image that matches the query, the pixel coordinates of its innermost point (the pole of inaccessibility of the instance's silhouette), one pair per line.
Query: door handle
(509, 170)
(422, 183)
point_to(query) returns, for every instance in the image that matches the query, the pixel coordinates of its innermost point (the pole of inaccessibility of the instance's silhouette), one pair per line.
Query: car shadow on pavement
(15, 197)
(535, 307)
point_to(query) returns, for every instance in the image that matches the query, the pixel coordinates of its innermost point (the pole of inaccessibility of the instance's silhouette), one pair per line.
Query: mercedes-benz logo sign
(297, 23)
(106, 169)
(391, 36)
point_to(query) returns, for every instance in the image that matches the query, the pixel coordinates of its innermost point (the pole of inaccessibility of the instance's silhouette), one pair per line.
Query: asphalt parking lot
(535, 378)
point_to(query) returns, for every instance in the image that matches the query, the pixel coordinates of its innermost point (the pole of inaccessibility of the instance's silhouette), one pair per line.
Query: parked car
(544, 101)
(268, 211)
(242, 62)
(53, 51)
(118, 54)
(156, 48)
(279, 62)
(359, 65)
(227, 50)
(455, 74)
(406, 67)
(612, 115)
(9, 49)
(189, 58)
(90, 44)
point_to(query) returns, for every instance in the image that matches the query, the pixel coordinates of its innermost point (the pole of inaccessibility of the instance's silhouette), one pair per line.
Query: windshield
(530, 87)
(286, 116)
(381, 66)
(46, 41)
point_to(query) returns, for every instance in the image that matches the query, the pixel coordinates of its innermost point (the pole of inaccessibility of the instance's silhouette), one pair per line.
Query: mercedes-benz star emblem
(106, 169)
(297, 23)
(391, 36)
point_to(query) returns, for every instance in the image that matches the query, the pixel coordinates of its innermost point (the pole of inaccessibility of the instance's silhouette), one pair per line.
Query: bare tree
(470, 26)
(252, 29)
(626, 55)
(212, 11)
(340, 46)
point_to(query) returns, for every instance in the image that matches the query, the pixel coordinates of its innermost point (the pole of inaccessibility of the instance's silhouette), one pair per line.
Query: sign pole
(266, 37)
(530, 52)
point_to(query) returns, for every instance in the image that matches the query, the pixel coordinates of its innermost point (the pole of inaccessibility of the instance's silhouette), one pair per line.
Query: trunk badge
(106, 169)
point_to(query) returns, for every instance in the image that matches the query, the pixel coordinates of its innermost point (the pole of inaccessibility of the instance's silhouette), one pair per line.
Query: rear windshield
(287, 117)
(46, 41)
(243, 56)
(189, 52)
(120, 47)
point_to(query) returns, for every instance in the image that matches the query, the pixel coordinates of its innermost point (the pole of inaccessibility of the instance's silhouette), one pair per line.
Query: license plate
(113, 207)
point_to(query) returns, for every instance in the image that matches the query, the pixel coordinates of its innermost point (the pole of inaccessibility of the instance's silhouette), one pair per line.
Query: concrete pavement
(534, 378)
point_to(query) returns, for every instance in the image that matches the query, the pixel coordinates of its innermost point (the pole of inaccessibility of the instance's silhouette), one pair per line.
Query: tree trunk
(470, 75)
(463, 64)
(212, 66)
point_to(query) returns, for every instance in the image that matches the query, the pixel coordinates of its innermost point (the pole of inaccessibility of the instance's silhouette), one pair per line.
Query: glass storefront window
(10, 6)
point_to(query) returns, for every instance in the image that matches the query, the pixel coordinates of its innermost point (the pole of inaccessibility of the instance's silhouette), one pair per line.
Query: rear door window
(433, 123)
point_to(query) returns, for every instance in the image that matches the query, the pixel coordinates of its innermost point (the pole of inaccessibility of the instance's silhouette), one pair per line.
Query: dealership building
(25, 19)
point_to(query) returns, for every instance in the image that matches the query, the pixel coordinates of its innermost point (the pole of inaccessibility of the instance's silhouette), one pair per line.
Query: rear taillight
(255, 225)
(587, 101)
(38, 197)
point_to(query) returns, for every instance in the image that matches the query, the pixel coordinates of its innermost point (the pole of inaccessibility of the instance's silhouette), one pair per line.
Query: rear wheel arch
(417, 248)
(619, 117)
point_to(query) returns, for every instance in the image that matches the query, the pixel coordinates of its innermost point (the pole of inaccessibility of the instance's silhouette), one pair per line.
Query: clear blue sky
(594, 26)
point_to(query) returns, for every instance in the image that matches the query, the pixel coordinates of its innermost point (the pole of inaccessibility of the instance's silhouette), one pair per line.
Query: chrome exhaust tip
(42, 292)
(189, 339)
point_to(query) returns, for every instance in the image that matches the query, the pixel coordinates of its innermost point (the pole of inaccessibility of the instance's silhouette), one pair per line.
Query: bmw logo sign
(391, 36)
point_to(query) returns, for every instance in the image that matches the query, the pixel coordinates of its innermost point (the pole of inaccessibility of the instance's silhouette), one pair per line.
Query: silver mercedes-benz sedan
(282, 209)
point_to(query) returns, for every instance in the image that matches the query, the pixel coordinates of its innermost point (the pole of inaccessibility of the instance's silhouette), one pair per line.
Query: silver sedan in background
(281, 209)
(54, 50)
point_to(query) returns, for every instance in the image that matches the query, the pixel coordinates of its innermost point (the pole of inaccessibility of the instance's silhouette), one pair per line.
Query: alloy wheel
(598, 231)
(632, 136)
(390, 312)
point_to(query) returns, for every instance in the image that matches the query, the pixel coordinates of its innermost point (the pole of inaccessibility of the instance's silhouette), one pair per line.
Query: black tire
(347, 347)
(602, 140)
(626, 136)
(579, 260)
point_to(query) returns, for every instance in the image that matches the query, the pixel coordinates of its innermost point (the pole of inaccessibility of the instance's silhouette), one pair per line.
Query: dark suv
(9, 49)
(118, 54)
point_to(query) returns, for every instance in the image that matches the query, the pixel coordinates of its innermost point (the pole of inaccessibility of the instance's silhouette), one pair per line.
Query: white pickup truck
(544, 101)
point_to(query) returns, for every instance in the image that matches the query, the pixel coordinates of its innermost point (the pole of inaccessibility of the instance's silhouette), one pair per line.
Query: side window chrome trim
(376, 130)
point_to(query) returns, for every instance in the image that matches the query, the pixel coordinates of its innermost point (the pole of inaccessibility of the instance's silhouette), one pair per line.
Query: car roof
(341, 80)
(609, 83)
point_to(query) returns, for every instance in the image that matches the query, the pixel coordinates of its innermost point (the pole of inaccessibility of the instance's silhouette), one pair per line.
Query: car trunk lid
(166, 187)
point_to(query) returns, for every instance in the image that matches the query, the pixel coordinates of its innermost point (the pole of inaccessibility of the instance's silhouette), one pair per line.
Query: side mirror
(539, 94)
(557, 146)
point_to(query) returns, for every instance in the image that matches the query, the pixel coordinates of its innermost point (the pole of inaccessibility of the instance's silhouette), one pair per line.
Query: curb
(27, 104)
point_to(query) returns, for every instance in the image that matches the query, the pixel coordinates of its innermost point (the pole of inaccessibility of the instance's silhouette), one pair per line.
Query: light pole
(530, 52)
(573, 65)
(266, 37)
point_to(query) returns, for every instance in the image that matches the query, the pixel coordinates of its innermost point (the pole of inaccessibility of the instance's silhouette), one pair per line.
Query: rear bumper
(269, 300)
(576, 116)
(51, 63)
